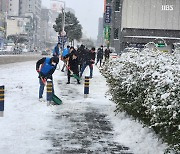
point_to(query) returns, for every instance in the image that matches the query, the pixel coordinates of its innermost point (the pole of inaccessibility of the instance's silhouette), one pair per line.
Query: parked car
(9, 49)
(1, 51)
(17, 50)
(46, 52)
(113, 55)
(130, 49)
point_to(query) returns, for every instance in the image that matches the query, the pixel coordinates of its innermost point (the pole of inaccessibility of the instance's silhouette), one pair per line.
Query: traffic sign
(63, 33)
(62, 39)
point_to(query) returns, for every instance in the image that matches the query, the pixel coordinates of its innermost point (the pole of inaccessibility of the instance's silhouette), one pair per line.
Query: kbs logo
(167, 7)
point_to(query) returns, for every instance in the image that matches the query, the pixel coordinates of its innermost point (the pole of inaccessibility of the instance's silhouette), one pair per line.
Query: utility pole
(62, 33)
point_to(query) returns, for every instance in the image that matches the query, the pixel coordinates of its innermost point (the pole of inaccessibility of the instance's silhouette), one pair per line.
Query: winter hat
(71, 47)
(93, 49)
(74, 52)
(55, 59)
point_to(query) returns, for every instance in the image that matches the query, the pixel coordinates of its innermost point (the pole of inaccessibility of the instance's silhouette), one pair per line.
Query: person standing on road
(89, 61)
(46, 67)
(56, 50)
(64, 53)
(100, 55)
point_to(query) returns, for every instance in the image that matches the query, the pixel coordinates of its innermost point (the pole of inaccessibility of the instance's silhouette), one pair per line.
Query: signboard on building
(62, 39)
(56, 6)
(108, 14)
(107, 31)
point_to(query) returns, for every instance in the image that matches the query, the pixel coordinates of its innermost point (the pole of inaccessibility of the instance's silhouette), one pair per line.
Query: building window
(117, 5)
(116, 33)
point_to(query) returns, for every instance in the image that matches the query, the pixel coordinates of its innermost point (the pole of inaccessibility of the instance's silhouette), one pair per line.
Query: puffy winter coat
(47, 69)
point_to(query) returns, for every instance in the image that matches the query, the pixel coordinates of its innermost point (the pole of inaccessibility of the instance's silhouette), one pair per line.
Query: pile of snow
(147, 86)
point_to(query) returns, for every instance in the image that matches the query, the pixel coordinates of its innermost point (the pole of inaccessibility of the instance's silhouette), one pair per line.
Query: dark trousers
(84, 67)
(106, 58)
(74, 72)
(99, 60)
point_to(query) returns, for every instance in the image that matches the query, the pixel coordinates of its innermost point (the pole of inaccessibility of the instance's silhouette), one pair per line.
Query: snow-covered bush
(147, 86)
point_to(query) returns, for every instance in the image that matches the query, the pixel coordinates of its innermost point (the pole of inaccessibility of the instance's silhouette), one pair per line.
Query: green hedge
(147, 86)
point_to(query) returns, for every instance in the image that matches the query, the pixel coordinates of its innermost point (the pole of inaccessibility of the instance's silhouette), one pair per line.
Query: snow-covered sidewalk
(79, 125)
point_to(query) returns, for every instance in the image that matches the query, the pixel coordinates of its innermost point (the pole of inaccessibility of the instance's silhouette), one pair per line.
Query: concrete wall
(148, 14)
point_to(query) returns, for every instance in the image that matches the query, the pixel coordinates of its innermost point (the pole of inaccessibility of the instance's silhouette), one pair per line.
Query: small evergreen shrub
(147, 86)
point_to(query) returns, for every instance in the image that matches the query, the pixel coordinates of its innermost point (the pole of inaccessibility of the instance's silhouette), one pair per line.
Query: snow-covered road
(79, 125)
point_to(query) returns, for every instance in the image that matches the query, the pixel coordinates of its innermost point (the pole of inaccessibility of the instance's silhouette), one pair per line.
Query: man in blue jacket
(64, 53)
(46, 67)
(56, 50)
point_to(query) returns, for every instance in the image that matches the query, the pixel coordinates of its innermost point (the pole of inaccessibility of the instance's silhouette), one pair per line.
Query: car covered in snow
(113, 55)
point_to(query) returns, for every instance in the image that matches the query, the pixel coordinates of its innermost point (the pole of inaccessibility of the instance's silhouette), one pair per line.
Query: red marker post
(49, 91)
(86, 87)
(1, 101)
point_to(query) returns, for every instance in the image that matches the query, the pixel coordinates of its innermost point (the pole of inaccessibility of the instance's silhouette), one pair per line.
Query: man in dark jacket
(73, 62)
(107, 53)
(89, 61)
(45, 67)
(99, 55)
(81, 55)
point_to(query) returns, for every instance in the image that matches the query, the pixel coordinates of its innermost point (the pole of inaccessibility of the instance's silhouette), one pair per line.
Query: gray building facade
(48, 34)
(3, 14)
(32, 9)
(100, 37)
(4, 5)
(141, 21)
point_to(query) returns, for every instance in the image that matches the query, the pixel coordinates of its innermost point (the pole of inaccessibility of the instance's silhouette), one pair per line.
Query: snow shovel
(74, 75)
(56, 100)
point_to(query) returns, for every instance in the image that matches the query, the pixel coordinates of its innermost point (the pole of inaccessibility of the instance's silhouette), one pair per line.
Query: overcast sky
(87, 12)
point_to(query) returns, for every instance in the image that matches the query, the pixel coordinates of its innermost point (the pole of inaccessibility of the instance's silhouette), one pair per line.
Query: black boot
(68, 80)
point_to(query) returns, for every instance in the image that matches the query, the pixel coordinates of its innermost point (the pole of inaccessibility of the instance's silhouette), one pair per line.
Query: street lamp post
(62, 33)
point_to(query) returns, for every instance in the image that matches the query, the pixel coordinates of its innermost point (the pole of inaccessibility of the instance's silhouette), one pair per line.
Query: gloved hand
(44, 80)
(92, 61)
(91, 66)
(38, 71)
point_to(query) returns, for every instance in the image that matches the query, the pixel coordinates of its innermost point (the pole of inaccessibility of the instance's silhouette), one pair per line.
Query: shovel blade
(56, 99)
(76, 77)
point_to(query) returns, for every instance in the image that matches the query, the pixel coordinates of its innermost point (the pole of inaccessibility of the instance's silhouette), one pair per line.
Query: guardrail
(3, 52)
